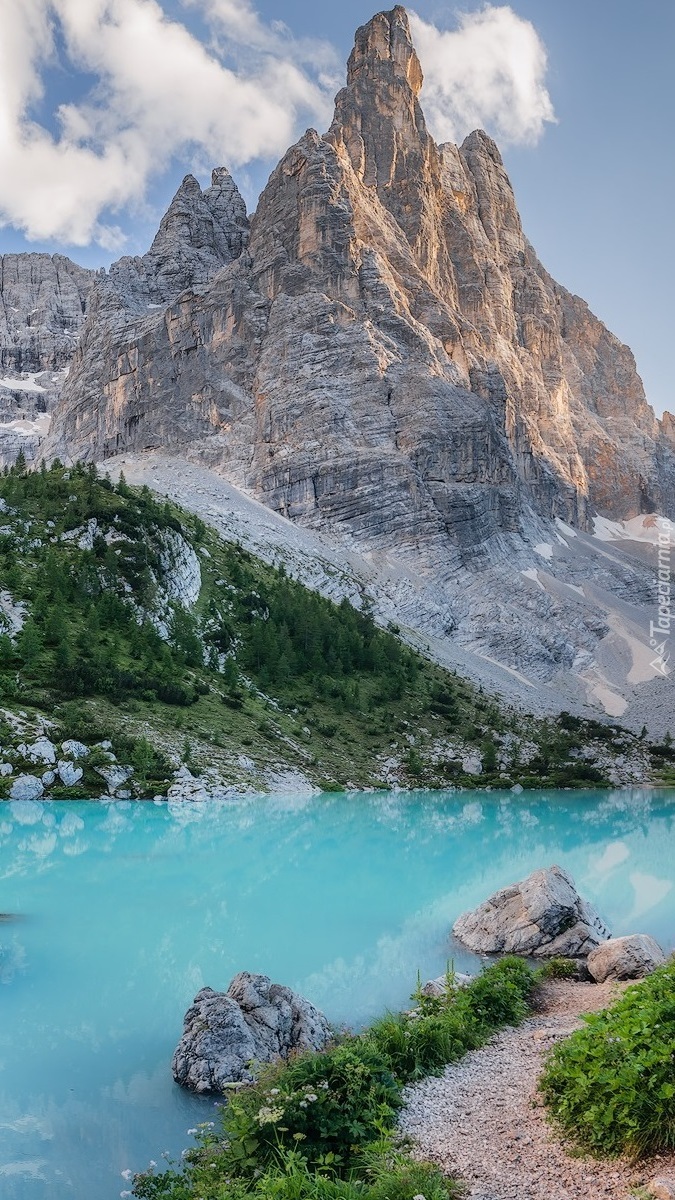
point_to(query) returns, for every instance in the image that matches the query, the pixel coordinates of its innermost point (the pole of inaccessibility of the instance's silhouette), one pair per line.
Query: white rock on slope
(26, 787)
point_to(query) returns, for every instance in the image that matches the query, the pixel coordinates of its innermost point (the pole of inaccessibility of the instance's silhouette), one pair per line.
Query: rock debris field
(483, 1121)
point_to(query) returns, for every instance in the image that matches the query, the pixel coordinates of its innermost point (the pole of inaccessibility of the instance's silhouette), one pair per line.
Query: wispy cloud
(489, 73)
(159, 92)
(241, 92)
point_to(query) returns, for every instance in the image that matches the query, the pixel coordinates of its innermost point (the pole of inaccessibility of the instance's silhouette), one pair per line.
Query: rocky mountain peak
(378, 119)
(200, 233)
(386, 39)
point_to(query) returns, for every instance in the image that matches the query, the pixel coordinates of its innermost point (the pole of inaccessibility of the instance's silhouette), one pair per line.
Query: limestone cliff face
(385, 354)
(43, 304)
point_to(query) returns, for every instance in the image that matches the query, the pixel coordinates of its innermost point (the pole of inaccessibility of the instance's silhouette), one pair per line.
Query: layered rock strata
(542, 916)
(383, 357)
(225, 1034)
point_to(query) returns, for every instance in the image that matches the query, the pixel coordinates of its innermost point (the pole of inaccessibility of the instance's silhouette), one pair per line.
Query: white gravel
(482, 1119)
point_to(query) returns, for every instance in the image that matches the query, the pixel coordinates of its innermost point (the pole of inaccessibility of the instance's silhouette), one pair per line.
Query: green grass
(324, 1124)
(610, 1087)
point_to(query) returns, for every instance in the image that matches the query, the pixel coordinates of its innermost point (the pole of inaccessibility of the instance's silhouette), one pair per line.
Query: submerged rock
(630, 957)
(542, 916)
(254, 1021)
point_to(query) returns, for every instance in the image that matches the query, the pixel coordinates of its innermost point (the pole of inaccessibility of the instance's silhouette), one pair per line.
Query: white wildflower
(126, 1174)
(269, 1116)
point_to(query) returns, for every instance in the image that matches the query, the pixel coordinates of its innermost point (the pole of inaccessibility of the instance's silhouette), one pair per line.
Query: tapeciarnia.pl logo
(659, 630)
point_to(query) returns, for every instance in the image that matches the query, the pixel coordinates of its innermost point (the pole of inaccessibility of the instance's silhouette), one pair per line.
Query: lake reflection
(128, 909)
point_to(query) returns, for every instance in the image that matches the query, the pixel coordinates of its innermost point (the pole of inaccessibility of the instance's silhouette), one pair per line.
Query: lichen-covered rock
(74, 749)
(69, 774)
(26, 787)
(255, 1021)
(115, 776)
(630, 957)
(542, 916)
(41, 751)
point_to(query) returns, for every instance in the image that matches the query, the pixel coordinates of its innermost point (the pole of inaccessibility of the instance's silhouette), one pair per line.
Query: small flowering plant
(328, 1104)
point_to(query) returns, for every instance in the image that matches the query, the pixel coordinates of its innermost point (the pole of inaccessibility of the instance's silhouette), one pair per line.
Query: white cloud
(489, 73)
(160, 92)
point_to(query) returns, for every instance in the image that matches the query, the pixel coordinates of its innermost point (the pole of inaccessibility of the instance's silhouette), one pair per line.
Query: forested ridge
(119, 610)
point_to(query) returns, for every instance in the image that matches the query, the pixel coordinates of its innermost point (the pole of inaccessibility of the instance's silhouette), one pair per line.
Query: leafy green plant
(557, 968)
(321, 1126)
(332, 1103)
(611, 1085)
(441, 1029)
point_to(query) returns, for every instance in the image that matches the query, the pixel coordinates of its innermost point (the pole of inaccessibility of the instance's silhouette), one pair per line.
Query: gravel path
(482, 1120)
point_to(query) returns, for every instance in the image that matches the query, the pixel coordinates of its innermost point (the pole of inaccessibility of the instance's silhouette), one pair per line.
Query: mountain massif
(379, 354)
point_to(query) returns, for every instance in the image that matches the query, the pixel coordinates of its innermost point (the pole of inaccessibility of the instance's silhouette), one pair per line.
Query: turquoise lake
(122, 911)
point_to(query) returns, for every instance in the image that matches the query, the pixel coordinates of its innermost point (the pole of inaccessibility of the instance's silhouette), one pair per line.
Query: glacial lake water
(123, 911)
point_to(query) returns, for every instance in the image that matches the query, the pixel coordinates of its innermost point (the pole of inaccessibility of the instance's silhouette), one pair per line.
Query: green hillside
(126, 619)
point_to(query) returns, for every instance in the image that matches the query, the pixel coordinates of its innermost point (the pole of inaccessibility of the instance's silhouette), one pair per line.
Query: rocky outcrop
(630, 957)
(390, 350)
(384, 357)
(543, 916)
(200, 233)
(255, 1021)
(43, 306)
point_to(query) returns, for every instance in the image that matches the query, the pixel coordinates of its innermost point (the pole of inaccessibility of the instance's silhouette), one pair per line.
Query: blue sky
(230, 85)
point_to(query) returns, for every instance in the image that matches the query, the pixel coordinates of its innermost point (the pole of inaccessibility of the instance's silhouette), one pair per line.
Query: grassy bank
(124, 618)
(324, 1124)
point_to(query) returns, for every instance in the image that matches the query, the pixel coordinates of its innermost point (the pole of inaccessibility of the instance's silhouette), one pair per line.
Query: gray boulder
(41, 751)
(26, 787)
(434, 989)
(662, 1187)
(542, 916)
(69, 774)
(254, 1021)
(74, 749)
(630, 957)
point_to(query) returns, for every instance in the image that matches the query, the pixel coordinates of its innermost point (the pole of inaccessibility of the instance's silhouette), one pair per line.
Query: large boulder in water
(543, 916)
(630, 957)
(254, 1021)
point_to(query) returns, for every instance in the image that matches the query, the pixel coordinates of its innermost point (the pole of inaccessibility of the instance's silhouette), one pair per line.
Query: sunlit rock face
(387, 352)
(380, 355)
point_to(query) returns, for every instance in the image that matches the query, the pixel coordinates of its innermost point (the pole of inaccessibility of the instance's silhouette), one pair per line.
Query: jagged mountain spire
(379, 124)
